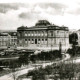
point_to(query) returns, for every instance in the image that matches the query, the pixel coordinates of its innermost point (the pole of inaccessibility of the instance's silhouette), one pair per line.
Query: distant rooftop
(8, 33)
(3, 34)
(8, 30)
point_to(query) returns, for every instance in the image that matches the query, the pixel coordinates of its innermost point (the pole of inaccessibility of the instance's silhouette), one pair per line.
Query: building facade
(8, 38)
(43, 34)
(3, 39)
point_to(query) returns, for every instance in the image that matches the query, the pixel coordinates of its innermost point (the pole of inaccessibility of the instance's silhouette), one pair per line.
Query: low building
(43, 34)
(3, 39)
(13, 38)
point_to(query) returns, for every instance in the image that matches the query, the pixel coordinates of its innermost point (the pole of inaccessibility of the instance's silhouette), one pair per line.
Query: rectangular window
(25, 39)
(38, 39)
(39, 34)
(25, 34)
(42, 39)
(32, 39)
(45, 39)
(32, 34)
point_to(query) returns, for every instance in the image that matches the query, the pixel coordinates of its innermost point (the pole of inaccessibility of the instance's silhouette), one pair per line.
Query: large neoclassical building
(43, 34)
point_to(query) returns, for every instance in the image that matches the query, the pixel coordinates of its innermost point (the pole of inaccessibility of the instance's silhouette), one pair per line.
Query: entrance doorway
(35, 41)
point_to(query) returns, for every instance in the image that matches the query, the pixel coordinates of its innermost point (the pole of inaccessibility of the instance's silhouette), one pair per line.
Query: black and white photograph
(39, 39)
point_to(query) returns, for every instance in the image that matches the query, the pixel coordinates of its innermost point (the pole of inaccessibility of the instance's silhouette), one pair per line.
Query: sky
(15, 13)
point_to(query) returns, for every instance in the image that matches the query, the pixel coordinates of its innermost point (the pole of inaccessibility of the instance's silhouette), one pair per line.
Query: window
(38, 39)
(42, 39)
(42, 33)
(25, 34)
(29, 39)
(25, 39)
(51, 33)
(31, 34)
(45, 34)
(39, 34)
(45, 39)
(32, 39)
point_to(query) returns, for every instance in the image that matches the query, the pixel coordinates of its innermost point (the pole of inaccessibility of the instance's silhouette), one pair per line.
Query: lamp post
(51, 43)
(60, 47)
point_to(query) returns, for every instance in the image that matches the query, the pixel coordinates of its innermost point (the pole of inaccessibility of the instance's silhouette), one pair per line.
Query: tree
(24, 59)
(66, 71)
(33, 58)
(73, 38)
(38, 74)
(13, 66)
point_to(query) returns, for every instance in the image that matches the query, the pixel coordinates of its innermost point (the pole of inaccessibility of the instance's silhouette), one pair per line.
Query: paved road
(9, 58)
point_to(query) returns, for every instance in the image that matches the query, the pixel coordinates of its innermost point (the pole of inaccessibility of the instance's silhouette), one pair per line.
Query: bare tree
(13, 67)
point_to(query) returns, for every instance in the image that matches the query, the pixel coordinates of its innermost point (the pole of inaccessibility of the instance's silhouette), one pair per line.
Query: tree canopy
(73, 38)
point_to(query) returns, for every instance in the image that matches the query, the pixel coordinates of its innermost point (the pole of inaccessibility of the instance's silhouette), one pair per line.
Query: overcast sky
(15, 13)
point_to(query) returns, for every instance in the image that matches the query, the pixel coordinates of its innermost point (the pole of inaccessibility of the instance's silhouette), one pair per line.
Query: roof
(8, 33)
(3, 34)
(42, 24)
(12, 33)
